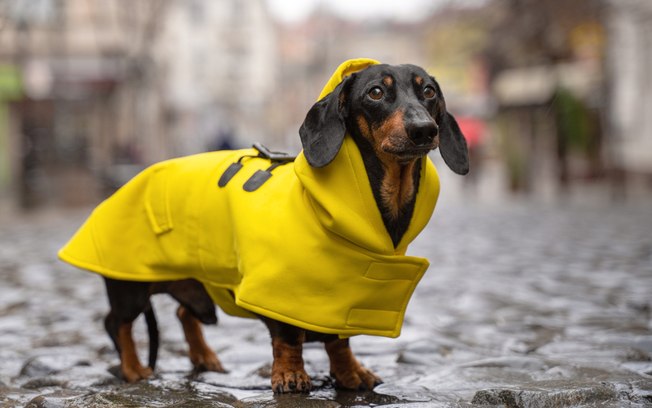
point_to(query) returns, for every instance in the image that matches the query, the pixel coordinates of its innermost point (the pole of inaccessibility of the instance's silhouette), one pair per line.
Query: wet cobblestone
(524, 305)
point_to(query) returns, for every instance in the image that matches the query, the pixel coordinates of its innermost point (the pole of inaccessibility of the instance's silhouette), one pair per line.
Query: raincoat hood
(308, 247)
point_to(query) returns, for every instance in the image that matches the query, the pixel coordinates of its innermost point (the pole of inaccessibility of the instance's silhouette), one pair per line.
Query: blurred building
(546, 69)
(90, 92)
(219, 61)
(70, 60)
(629, 65)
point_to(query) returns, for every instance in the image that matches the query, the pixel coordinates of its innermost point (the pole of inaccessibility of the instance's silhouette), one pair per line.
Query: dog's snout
(422, 132)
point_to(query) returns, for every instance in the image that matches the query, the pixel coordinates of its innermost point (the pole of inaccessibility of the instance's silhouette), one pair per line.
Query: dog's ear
(452, 145)
(324, 127)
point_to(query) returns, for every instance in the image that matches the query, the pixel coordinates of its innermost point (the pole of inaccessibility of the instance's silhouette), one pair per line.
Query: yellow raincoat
(308, 247)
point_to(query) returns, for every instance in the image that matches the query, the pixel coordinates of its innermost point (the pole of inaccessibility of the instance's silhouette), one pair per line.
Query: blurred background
(553, 96)
(541, 257)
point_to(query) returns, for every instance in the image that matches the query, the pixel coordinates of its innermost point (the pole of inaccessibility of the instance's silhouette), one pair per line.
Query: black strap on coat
(260, 176)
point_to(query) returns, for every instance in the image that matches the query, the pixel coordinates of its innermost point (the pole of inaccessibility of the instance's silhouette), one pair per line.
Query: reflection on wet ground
(523, 305)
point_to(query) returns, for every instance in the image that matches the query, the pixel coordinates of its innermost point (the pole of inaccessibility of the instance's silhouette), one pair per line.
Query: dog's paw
(207, 361)
(358, 378)
(290, 381)
(136, 373)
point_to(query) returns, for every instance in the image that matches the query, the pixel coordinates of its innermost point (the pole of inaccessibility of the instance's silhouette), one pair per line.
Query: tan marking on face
(397, 187)
(388, 81)
(418, 80)
(391, 129)
(364, 127)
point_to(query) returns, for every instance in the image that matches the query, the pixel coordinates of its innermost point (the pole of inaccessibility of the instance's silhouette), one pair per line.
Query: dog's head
(400, 110)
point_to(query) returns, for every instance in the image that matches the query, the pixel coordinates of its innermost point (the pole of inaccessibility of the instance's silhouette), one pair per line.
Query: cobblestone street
(524, 305)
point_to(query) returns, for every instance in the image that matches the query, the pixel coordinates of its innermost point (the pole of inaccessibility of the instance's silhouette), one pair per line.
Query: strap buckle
(260, 176)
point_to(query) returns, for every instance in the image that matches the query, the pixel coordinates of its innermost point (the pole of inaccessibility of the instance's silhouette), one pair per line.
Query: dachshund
(395, 115)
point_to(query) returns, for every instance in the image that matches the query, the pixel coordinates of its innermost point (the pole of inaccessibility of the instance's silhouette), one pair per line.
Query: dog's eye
(376, 93)
(429, 92)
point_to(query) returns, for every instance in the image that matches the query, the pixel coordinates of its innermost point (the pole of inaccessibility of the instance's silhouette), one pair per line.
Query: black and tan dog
(391, 117)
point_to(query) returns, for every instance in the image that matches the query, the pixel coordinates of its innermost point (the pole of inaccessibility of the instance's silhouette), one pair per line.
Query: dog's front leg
(288, 374)
(348, 372)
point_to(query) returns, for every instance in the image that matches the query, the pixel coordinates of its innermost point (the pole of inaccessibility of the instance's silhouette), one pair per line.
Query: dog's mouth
(408, 150)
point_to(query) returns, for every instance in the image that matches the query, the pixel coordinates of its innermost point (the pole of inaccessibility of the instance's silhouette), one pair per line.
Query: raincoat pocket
(157, 203)
(396, 282)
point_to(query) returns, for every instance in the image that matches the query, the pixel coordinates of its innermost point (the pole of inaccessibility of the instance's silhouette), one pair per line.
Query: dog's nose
(422, 132)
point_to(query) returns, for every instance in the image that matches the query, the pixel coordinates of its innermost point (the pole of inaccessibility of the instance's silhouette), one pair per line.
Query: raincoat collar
(352, 212)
